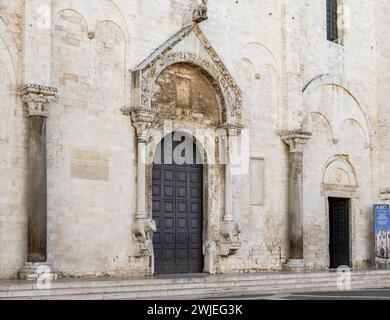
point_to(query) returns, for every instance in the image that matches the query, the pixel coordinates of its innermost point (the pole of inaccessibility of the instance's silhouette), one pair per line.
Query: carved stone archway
(179, 49)
(340, 181)
(190, 48)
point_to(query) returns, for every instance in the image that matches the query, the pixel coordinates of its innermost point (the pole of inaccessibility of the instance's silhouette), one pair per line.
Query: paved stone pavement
(373, 294)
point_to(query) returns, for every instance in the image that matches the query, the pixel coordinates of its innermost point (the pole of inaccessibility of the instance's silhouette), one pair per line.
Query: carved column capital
(37, 98)
(232, 129)
(141, 118)
(296, 140)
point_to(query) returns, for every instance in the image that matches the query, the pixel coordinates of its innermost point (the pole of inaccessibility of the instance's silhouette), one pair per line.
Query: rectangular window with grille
(331, 20)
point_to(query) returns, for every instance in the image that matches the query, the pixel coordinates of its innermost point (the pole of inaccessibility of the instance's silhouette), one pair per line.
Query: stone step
(201, 293)
(199, 290)
(79, 283)
(168, 284)
(198, 286)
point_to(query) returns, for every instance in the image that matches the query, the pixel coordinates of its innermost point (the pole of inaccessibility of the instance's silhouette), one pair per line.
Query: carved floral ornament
(38, 98)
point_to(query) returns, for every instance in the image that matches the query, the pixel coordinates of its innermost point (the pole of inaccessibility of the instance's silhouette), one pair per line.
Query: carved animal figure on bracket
(144, 229)
(200, 12)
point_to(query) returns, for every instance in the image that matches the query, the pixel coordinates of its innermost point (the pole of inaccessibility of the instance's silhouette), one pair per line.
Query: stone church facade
(89, 89)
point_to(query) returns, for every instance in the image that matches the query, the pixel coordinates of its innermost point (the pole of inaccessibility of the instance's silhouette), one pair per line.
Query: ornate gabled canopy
(189, 46)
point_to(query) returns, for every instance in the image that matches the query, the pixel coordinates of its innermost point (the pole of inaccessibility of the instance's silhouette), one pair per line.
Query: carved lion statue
(144, 229)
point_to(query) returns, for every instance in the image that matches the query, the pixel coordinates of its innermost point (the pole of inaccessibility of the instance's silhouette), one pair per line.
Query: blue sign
(382, 233)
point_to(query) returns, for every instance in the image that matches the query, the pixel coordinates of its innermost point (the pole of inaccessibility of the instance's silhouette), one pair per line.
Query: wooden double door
(178, 211)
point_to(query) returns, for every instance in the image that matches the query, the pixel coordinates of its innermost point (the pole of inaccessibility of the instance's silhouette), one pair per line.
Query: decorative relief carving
(37, 98)
(200, 12)
(143, 116)
(183, 92)
(214, 69)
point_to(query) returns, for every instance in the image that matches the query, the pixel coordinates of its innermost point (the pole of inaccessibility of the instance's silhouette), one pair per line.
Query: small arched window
(331, 20)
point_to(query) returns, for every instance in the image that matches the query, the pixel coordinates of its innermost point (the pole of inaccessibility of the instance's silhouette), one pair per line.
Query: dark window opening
(331, 20)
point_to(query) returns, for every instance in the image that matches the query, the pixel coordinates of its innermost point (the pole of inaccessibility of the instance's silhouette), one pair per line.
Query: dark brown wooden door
(339, 232)
(178, 212)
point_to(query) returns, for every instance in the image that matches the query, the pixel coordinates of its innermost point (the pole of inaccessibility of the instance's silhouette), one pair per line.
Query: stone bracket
(143, 249)
(229, 248)
(385, 194)
(230, 232)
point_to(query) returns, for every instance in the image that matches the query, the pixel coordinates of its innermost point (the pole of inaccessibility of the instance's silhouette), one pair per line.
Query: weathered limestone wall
(254, 58)
(339, 105)
(91, 175)
(92, 147)
(89, 108)
(13, 155)
(383, 64)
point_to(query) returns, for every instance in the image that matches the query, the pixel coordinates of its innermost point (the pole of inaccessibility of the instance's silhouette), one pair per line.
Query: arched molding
(339, 164)
(245, 65)
(259, 54)
(78, 13)
(264, 62)
(307, 123)
(205, 140)
(92, 20)
(350, 121)
(9, 53)
(326, 80)
(207, 62)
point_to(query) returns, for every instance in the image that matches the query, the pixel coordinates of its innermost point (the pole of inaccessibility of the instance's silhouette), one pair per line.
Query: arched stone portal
(178, 89)
(340, 190)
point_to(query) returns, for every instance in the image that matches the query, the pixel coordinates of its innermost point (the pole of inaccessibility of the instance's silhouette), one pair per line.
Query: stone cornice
(295, 139)
(37, 98)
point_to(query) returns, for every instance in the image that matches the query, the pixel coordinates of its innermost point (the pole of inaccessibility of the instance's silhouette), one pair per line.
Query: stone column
(229, 229)
(37, 99)
(296, 141)
(142, 119)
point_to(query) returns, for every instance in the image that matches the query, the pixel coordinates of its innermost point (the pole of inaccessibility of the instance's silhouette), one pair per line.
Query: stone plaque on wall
(257, 181)
(89, 165)
(183, 92)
